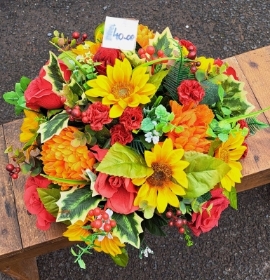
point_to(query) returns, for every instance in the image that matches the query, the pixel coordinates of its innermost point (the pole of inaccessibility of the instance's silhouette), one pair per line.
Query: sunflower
(29, 126)
(63, 160)
(108, 244)
(167, 180)
(230, 152)
(122, 87)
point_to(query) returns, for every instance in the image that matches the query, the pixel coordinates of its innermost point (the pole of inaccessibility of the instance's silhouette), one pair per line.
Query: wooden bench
(21, 242)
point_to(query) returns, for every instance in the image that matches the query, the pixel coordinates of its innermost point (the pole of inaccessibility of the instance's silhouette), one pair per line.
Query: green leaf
(54, 74)
(232, 196)
(124, 161)
(75, 204)
(254, 125)
(128, 228)
(121, 259)
(157, 78)
(203, 173)
(24, 82)
(211, 93)
(49, 197)
(147, 125)
(53, 127)
(154, 225)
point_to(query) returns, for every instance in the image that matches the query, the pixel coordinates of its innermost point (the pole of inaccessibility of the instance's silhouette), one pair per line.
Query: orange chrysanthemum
(143, 35)
(62, 160)
(195, 121)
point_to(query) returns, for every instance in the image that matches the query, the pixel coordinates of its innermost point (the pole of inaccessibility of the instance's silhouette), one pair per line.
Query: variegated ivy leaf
(124, 161)
(128, 228)
(53, 127)
(54, 74)
(75, 204)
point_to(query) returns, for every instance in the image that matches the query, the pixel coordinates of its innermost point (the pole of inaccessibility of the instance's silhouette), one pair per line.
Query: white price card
(120, 33)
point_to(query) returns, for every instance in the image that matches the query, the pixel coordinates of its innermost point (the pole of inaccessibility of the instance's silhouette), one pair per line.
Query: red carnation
(106, 57)
(97, 115)
(132, 118)
(120, 134)
(190, 91)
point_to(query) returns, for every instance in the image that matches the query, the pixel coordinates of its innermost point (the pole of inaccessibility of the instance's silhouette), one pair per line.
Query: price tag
(120, 33)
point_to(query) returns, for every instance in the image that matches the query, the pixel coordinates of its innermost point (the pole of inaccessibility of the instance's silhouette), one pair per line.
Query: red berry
(178, 212)
(169, 214)
(178, 223)
(17, 169)
(96, 223)
(97, 211)
(181, 230)
(143, 55)
(91, 212)
(184, 221)
(150, 50)
(107, 227)
(191, 55)
(193, 69)
(141, 51)
(170, 223)
(63, 99)
(84, 36)
(190, 48)
(76, 35)
(15, 176)
(198, 63)
(85, 120)
(9, 167)
(160, 53)
(76, 113)
(105, 216)
(113, 223)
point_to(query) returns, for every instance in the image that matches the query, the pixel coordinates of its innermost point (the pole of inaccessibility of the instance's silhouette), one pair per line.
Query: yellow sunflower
(108, 244)
(230, 152)
(167, 180)
(122, 87)
(29, 126)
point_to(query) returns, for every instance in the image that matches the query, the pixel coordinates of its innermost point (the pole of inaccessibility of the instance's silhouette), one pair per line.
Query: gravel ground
(240, 247)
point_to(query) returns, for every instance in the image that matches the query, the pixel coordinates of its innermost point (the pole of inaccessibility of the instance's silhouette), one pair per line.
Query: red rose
(120, 134)
(120, 193)
(33, 203)
(106, 57)
(131, 118)
(190, 91)
(97, 115)
(206, 220)
(39, 92)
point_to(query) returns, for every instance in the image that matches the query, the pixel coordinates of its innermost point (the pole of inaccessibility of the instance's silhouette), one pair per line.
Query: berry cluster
(13, 171)
(176, 220)
(78, 37)
(75, 113)
(150, 53)
(101, 220)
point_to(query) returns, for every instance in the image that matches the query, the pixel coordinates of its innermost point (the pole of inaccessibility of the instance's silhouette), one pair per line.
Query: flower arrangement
(119, 142)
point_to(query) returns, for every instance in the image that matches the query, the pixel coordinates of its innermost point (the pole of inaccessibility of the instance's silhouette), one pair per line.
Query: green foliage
(49, 197)
(154, 225)
(16, 97)
(121, 259)
(254, 125)
(203, 173)
(211, 93)
(232, 196)
(128, 228)
(124, 161)
(53, 127)
(75, 204)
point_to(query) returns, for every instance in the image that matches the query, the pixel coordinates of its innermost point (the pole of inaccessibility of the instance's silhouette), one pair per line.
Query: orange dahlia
(143, 35)
(64, 161)
(195, 121)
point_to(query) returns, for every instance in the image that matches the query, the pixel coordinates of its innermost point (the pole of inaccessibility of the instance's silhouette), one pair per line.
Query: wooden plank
(256, 167)
(26, 269)
(30, 235)
(10, 239)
